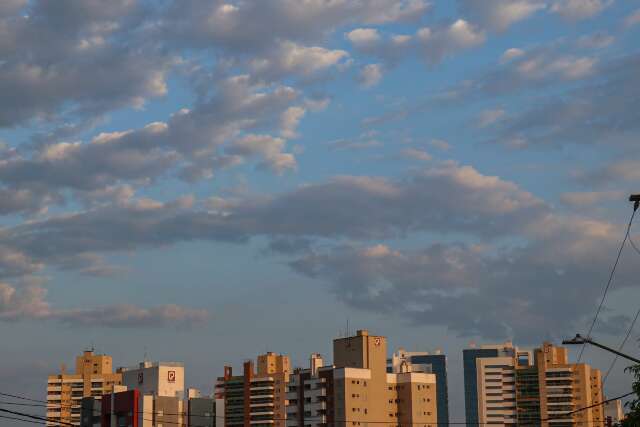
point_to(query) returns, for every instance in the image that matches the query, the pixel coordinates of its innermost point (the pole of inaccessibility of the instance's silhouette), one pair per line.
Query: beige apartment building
(93, 376)
(565, 387)
(506, 386)
(358, 391)
(255, 398)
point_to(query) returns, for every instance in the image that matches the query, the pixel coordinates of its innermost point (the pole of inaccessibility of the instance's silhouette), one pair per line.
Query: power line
(35, 417)
(452, 423)
(633, 245)
(606, 289)
(622, 344)
(20, 419)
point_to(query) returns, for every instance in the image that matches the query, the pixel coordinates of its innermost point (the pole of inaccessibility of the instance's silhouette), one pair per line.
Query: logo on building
(377, 341)
(140, 377)
(171, 376)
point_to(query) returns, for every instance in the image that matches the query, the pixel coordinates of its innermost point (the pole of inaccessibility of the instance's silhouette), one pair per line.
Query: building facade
(93, 376)
(357, 390)
(407, 361)
(256, 398)
(509, 387)
(613, 413)
(155, 378)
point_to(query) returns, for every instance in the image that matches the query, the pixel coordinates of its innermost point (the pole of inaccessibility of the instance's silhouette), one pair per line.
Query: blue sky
(203, 181)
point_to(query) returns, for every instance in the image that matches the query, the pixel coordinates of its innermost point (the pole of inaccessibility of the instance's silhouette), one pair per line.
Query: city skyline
(204, 180)
(547, 363)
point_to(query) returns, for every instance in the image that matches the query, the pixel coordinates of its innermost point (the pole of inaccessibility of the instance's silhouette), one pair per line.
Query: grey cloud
(191, 142)
(130, 316)
(525, 292)
(524, 70)
(28, 302)
(576, 10)
(602, 111)
(91, 62)
(500, 14)
(432, 44)
(440, 200)
(617, 171)
(518, 254)
(257, 26)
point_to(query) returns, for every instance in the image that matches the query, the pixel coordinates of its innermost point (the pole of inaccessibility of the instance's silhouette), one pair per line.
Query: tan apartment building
(358, 391)
(93, 376)
(506, 386)
(256, 398)
(565, 387)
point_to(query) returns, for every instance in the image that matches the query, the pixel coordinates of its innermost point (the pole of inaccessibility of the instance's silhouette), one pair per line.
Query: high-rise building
(565, 387)
(153, 395)
(155, 378)
(507, 386)
(489, 383)
(408, 361)
(256, 398)
(613, 413)
(93, 376)
(357, 390)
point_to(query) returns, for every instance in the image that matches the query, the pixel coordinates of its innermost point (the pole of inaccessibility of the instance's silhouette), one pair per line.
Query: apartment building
(431, 363)
(613, 413)
(155, 378)
(93, 376)
(565, 387)
(256, 398)
(152, 395)
(357, 390)
(309, 394)
(507, 386)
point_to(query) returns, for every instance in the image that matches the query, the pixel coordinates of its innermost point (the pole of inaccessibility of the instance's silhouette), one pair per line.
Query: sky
(203, 181)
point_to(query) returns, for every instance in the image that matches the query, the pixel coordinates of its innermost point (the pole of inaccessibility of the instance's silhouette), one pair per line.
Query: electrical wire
(622, 344)
(35, 417)
(606, 289)
(533, 422)
(633, 245)
(20, 419)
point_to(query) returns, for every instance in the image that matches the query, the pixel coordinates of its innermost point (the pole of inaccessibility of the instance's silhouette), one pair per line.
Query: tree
(633, 417)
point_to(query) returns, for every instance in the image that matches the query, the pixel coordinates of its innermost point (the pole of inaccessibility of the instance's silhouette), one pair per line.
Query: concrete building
(309, 394)
(201, 412)
(613, 413)
(507, 386)
(357, 390)
(256, 398)
(155, 378)
(93, 376)
(489, 383)
(130, 408)
(407, 361)
(565, 387)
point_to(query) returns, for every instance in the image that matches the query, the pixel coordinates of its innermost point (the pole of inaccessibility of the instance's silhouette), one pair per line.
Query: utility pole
(580, 340)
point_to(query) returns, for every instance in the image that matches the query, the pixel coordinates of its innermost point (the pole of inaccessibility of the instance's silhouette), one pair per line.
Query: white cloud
(305, 61)
(490, 117)
(370, 75)
(443, 41)
(586, 198)
(363, 37)
(500, 14)
(633, 19)
(510, 54)
(440, 144)
(576, 10)
(289, 121)
(416, 154)
(270, 149)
